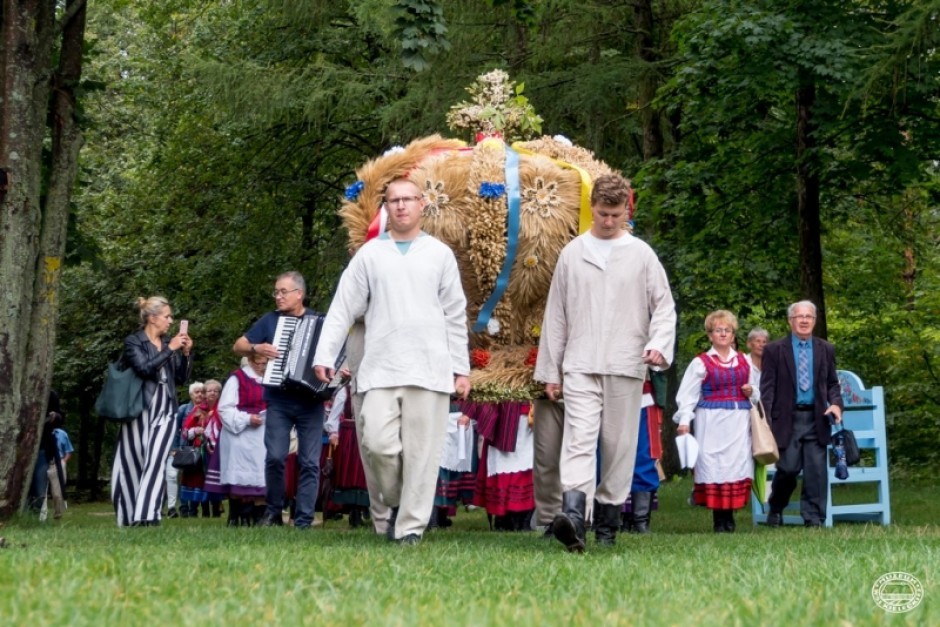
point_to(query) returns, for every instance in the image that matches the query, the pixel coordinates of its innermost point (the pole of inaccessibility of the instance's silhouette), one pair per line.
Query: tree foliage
(227, 131)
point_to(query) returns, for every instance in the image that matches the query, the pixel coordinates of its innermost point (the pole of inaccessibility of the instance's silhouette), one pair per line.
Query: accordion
(296, 341)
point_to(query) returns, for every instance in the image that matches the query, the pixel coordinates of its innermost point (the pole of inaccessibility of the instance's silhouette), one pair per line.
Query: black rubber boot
(568, 526)
(642, 502)
(606, 522)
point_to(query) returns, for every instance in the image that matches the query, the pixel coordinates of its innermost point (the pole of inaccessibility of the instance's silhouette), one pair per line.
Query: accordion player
(296, 341)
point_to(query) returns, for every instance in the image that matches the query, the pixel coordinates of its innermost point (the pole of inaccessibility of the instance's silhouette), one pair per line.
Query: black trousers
(805, 453)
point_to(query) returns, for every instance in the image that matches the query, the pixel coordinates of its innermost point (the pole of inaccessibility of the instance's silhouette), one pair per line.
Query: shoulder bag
(187, 457)
(122, 397)
(763, 444)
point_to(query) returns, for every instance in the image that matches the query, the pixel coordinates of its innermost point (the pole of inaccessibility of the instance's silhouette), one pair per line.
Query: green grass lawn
(83, 570)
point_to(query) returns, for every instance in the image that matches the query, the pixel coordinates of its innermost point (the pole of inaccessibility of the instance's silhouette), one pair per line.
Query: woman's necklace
(725, 362)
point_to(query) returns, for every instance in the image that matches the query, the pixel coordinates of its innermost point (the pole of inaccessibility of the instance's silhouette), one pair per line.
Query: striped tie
(803, 368)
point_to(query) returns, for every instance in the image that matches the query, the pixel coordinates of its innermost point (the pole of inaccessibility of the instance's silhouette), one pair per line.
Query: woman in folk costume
(457, 476)
(350, 491)
(717, 391)
(202, 421)
(215, 491)
(241, 442)
(504, 481)
(137, 486)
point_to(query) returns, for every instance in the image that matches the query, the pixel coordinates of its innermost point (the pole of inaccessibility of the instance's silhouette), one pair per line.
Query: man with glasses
(287, 406)
(406, 285)
(800, 391)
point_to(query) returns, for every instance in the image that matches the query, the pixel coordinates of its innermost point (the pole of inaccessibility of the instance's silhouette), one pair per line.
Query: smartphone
(184, 327)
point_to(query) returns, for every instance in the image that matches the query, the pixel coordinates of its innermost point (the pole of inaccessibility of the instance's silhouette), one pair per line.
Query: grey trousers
(807, 454)
(547, 428)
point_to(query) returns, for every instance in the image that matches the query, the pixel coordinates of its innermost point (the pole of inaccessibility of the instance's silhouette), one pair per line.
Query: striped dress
(137, 485)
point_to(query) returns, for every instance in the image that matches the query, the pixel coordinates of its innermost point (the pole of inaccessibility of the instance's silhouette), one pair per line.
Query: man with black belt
(800, 391)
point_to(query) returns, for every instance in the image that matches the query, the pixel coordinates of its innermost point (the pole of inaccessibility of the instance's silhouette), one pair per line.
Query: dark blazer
(141, 355)
(778, 387)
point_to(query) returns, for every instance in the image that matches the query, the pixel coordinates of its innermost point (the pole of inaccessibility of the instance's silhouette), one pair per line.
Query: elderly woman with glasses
(716, 392)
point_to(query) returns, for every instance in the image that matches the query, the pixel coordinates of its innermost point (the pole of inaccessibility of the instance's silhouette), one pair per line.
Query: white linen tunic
(601, 321)
(415, 316)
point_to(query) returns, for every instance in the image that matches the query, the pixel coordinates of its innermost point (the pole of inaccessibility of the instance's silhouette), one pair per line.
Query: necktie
(803, 368)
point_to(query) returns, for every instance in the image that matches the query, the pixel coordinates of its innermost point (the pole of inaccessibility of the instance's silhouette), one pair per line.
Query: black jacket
(141, 355)
(778, 387)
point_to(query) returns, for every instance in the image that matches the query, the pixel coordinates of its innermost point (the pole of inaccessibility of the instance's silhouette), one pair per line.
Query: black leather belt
(804, 407)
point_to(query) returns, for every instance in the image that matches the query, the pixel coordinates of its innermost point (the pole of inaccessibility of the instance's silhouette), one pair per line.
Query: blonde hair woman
(137, 485)
(716, 391)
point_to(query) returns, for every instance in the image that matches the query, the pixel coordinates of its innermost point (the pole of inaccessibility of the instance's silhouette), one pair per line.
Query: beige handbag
(763, 445)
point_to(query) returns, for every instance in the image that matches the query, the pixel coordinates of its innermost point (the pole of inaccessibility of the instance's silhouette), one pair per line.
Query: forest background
(780, 149)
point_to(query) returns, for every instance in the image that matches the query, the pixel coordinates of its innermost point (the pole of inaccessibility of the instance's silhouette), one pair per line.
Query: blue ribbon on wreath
(513, 202)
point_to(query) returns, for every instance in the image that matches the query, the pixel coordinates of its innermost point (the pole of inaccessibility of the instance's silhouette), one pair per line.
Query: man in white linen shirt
(609, 316)
(407, 287)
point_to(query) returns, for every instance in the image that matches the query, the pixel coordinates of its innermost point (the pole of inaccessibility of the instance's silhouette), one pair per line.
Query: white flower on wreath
(542, 198)
(434, 193)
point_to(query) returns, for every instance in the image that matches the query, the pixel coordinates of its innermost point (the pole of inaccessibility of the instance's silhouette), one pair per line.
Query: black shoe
(729, 521)
(390, 531)
(271, 520)
(718, 520)
(774, 519)
(813, 523)
(172, 513)
(410, 540)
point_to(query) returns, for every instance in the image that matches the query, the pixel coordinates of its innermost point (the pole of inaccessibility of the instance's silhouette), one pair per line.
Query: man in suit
(800, 391)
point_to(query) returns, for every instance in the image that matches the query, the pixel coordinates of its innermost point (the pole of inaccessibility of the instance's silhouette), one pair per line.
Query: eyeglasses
(723, 331)
(407, 200)
(803, 317)
(277, 293)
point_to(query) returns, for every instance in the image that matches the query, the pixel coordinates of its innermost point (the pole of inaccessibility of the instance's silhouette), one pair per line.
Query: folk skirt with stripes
(137, 485)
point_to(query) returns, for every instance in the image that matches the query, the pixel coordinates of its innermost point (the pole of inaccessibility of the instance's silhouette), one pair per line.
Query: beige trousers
(55, 489)
(403, 431)
(379, 511)
(605, 408)
(547, 428)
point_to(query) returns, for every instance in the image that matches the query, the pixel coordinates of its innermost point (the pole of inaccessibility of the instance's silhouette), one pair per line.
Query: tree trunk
(648, 54)
(807, 200)
(37, 104)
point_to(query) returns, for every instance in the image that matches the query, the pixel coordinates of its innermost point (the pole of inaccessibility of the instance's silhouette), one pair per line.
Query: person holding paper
(716, 392)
